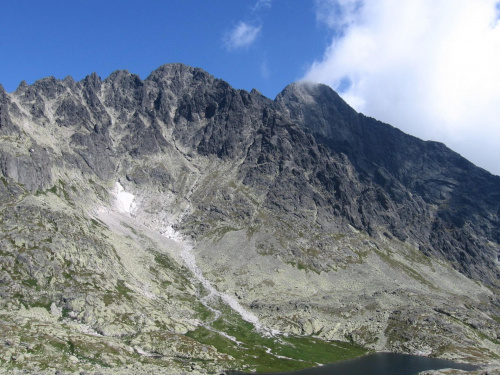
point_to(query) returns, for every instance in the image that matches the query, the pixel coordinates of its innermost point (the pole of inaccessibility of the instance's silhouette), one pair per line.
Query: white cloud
(429, 67)
(264, 70)
(242, 35)
(337, 14)
(260, 4)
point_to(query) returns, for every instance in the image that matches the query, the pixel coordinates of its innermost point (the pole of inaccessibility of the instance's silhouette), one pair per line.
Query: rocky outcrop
(6, 125)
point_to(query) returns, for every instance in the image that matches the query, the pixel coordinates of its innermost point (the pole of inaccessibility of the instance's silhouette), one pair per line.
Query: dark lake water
(382, 364)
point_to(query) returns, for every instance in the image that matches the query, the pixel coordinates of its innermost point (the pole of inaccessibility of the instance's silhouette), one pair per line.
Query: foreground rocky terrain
(483, 371)
(175, 224)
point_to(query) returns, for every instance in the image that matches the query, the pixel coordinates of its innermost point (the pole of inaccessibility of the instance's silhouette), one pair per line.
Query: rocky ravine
(176, 224)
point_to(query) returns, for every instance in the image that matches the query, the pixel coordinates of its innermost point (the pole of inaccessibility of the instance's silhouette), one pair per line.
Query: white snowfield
(124, 201)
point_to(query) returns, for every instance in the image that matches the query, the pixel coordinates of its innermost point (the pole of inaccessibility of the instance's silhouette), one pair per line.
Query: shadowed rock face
(351, 222)
(429, 193)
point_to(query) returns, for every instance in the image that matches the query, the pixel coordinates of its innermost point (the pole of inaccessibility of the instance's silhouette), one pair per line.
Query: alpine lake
(378, 364)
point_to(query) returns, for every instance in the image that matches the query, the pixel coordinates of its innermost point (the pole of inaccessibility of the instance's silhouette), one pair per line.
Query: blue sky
(428, 67)
(60, 38)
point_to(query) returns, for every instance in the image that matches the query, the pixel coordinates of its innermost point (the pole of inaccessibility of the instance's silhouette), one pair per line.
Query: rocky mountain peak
(179, 78)
(6, 124)
(3, 93)
(306, 92)
(170, 70)
(123, 78)
(23, 85)
(154, 219)
(92, 81)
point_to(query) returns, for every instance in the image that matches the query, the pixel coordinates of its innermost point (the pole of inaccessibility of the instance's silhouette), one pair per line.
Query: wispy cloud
(429, 67)
(337, 14)
(241, 36)
(264, 70)
(262, 4)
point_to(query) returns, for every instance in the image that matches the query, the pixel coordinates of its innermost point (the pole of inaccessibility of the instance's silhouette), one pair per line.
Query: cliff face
(125, 202)
(433, 196)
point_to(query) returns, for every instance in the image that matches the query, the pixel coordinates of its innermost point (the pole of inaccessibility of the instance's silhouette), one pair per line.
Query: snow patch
(124, 201)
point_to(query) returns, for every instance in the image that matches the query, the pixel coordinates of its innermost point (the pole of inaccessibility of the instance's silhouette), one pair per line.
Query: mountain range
(175, 224)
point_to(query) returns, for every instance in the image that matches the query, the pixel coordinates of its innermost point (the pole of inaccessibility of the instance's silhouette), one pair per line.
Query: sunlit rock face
(176, 224)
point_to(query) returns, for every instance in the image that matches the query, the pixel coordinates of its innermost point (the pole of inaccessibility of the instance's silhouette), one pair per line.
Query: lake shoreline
(377, 363)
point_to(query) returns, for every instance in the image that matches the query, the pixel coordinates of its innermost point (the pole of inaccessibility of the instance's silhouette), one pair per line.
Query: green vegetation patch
(271, 354)
(123, 290)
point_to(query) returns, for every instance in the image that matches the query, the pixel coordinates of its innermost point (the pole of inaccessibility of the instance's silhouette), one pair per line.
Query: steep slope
(422, 180)
(177, 223)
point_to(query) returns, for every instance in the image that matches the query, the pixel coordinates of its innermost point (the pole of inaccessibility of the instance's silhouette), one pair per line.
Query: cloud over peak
(429, 67)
